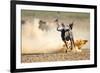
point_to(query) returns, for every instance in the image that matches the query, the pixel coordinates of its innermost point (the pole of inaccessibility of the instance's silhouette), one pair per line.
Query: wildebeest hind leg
(72, 44)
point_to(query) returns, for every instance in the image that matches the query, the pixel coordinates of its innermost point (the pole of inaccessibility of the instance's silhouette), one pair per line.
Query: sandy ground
(69, 56)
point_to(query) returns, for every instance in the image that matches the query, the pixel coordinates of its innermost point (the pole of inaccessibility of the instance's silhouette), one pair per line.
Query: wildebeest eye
(22, 21)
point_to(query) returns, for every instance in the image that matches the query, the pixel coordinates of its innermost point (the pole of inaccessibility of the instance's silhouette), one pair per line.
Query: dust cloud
(39, 34)
(36, 40)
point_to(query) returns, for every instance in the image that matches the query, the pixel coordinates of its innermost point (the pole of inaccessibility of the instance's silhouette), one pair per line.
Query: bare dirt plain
(69, 56)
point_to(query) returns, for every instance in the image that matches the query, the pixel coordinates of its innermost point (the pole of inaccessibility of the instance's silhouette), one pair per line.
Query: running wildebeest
(66, 34)
(43, 25)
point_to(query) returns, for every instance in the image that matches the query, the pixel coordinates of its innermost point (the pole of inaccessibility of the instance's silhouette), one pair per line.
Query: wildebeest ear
(71, 25)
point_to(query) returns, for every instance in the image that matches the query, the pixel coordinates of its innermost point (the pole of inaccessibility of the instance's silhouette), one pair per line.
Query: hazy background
(38, 38)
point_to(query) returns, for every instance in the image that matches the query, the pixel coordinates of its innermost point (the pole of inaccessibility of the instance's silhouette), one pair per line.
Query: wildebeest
(43, 25)
(66, 34)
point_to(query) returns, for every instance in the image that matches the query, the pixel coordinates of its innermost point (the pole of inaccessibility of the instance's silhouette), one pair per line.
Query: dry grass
(60, 56)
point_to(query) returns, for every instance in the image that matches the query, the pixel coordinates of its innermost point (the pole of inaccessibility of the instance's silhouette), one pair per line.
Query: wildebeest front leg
(66, 45)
